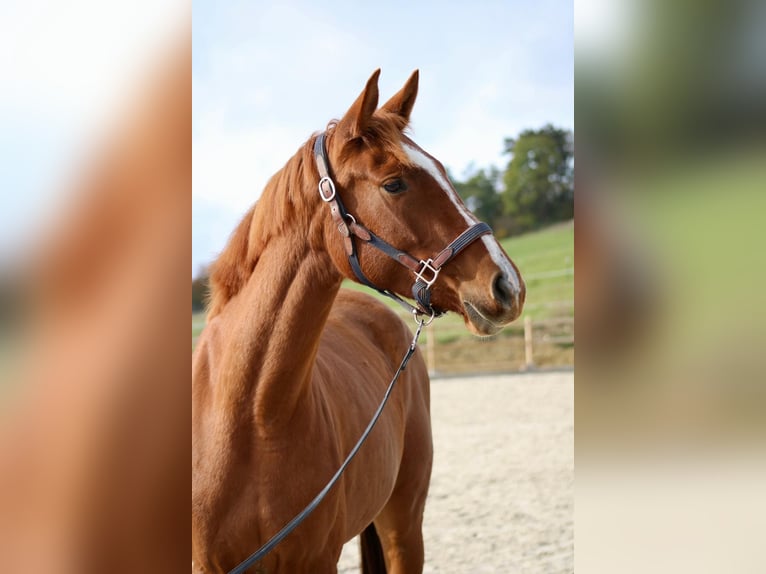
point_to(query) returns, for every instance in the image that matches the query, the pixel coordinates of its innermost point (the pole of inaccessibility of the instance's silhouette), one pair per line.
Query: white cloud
(231, 166)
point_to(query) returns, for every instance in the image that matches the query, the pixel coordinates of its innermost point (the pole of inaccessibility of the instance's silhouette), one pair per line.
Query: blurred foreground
(94, 439)
(670, 394)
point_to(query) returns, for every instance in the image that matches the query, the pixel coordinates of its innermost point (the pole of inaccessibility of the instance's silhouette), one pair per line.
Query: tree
(200, 288)
(480, 194)
(539, 179)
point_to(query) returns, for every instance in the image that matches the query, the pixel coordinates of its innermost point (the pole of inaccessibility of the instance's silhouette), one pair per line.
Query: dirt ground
(501, 497)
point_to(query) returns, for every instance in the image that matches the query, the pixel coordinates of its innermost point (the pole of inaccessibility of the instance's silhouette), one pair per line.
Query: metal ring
(327, 198)
(424, 323)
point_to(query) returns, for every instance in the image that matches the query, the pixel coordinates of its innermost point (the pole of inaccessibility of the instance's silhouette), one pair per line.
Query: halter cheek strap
(426, 271)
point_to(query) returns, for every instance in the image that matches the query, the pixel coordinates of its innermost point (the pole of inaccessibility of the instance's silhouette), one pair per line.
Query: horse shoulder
(204, 356)
(373, 319)
(378, 339)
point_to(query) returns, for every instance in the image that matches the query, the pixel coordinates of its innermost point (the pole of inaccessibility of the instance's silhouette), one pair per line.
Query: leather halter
(426, 271)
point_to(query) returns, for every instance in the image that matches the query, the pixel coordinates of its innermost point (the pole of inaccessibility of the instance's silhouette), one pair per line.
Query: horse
(290, 367)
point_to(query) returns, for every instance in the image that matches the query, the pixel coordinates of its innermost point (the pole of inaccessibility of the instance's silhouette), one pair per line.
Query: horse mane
(283, 204)
(278, 207)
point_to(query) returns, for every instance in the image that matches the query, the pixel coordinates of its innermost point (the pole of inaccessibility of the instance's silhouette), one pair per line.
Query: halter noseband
(425, 271)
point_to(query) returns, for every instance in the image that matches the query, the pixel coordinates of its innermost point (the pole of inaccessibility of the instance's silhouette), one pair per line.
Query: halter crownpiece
(426, 271)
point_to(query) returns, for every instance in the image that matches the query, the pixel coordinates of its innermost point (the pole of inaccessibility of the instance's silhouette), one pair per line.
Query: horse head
(393, 190)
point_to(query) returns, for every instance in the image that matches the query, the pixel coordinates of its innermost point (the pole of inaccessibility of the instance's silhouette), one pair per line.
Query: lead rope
(293, 524)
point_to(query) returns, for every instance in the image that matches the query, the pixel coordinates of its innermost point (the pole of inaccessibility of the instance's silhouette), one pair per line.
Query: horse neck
(272, 326)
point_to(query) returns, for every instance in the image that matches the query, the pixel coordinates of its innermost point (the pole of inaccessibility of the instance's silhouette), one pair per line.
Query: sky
(266, 75)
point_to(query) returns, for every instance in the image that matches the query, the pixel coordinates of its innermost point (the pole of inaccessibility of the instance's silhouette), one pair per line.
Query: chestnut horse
(290, 368)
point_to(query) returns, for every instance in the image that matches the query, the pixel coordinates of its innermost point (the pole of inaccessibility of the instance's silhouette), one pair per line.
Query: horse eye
(394, 186)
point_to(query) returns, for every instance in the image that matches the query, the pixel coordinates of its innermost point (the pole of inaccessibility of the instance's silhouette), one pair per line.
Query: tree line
(535, 189)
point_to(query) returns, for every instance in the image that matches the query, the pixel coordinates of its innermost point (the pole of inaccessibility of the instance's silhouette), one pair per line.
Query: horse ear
(402, 102)
(358, 115)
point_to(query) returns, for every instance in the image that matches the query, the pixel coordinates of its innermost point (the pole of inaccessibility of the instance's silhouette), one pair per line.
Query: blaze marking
(422, 160)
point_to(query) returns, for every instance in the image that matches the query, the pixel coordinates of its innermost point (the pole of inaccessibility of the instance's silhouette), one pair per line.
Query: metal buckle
(326, 198)
(427, 267)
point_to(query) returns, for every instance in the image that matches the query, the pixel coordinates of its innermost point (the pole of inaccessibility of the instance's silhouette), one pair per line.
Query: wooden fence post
(529, 361)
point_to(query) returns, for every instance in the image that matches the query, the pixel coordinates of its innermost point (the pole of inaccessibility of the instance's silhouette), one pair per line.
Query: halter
(426, 271)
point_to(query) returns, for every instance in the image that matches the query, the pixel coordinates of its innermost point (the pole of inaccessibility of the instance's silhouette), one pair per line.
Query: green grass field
(545, 259)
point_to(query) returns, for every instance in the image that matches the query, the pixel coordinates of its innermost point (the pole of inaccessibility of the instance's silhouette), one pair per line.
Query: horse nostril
(502, 290)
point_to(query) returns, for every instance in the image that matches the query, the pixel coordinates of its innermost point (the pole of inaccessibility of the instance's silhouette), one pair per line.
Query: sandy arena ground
(501, 497)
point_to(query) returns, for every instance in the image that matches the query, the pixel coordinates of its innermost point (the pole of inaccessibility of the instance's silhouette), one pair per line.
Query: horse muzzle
(487, 310)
